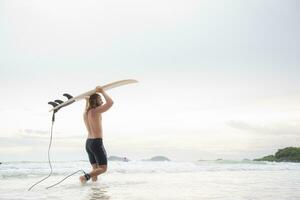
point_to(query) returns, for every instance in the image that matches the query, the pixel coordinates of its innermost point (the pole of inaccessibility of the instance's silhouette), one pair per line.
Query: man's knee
(94, 166)
(103, 168)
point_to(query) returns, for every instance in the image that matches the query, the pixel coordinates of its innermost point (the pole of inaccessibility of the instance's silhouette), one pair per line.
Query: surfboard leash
(53, 119)
(54, 104)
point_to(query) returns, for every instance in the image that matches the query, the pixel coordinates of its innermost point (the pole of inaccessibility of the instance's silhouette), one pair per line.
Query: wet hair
(93, 101)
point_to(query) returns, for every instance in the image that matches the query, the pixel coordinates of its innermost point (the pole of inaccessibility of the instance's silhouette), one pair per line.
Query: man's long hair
(93, 101)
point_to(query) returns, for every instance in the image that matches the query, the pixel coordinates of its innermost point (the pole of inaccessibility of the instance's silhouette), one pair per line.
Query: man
(94, 144)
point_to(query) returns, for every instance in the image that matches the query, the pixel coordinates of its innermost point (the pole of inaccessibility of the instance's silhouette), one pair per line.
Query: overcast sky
(217, 78)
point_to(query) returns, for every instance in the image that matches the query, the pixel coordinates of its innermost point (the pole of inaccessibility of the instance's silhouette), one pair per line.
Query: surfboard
(88, 93)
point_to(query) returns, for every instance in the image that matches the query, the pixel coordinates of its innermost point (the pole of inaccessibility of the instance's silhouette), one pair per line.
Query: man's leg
(94, 173)
(99, 170)
(95, 166)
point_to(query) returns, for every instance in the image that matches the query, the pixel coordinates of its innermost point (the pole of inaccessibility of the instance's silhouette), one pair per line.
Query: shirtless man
(94, 144)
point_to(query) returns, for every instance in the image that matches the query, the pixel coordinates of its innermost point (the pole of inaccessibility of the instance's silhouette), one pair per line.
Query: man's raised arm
(108, 101)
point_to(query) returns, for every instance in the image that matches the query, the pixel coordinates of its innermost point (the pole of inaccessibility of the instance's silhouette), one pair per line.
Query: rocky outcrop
(117, 158)
(159, 158)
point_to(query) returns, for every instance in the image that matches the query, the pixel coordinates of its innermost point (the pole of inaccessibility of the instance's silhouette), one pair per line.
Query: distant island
(117, 158)
(288, 154)
(158, 158)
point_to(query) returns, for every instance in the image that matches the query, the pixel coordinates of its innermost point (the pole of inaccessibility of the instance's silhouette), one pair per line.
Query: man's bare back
(92, 116)
(93, 123)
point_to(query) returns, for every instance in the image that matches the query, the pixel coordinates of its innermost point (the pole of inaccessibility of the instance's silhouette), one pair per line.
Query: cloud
(39, 133)
(23, 141)
(35, 132)
(271, 129)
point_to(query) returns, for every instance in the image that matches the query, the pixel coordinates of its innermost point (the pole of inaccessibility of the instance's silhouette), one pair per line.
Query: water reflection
(98, 193)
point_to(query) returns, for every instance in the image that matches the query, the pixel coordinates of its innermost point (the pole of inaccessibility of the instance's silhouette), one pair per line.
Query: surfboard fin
(54, 104)
(59, 101)
(68, 96)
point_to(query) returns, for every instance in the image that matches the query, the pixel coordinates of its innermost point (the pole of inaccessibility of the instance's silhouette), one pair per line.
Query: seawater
(234, 180)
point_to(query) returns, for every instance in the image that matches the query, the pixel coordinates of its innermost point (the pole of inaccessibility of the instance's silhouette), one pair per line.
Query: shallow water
(154, 180)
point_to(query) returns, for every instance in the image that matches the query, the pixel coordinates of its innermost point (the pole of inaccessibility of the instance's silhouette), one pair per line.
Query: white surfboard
(88, 93)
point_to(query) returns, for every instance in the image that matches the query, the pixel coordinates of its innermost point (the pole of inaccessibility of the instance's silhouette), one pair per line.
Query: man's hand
(99, 89)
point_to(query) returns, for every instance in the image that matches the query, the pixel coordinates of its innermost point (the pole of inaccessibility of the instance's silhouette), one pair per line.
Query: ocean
(143, 180)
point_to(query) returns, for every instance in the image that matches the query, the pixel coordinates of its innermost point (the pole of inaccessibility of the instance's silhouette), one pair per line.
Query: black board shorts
(96, 151)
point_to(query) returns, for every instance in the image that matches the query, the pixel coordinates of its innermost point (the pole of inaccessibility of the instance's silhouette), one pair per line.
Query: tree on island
(288, 154)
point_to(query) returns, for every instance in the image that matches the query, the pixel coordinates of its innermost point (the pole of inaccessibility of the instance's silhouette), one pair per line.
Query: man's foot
(82, 179)
(85, 178)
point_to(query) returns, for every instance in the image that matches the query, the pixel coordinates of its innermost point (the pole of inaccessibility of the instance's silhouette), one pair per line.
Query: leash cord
(48, 157)
(53, 119)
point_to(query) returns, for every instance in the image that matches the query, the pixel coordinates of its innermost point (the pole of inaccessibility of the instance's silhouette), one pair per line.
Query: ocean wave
(38, 169)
